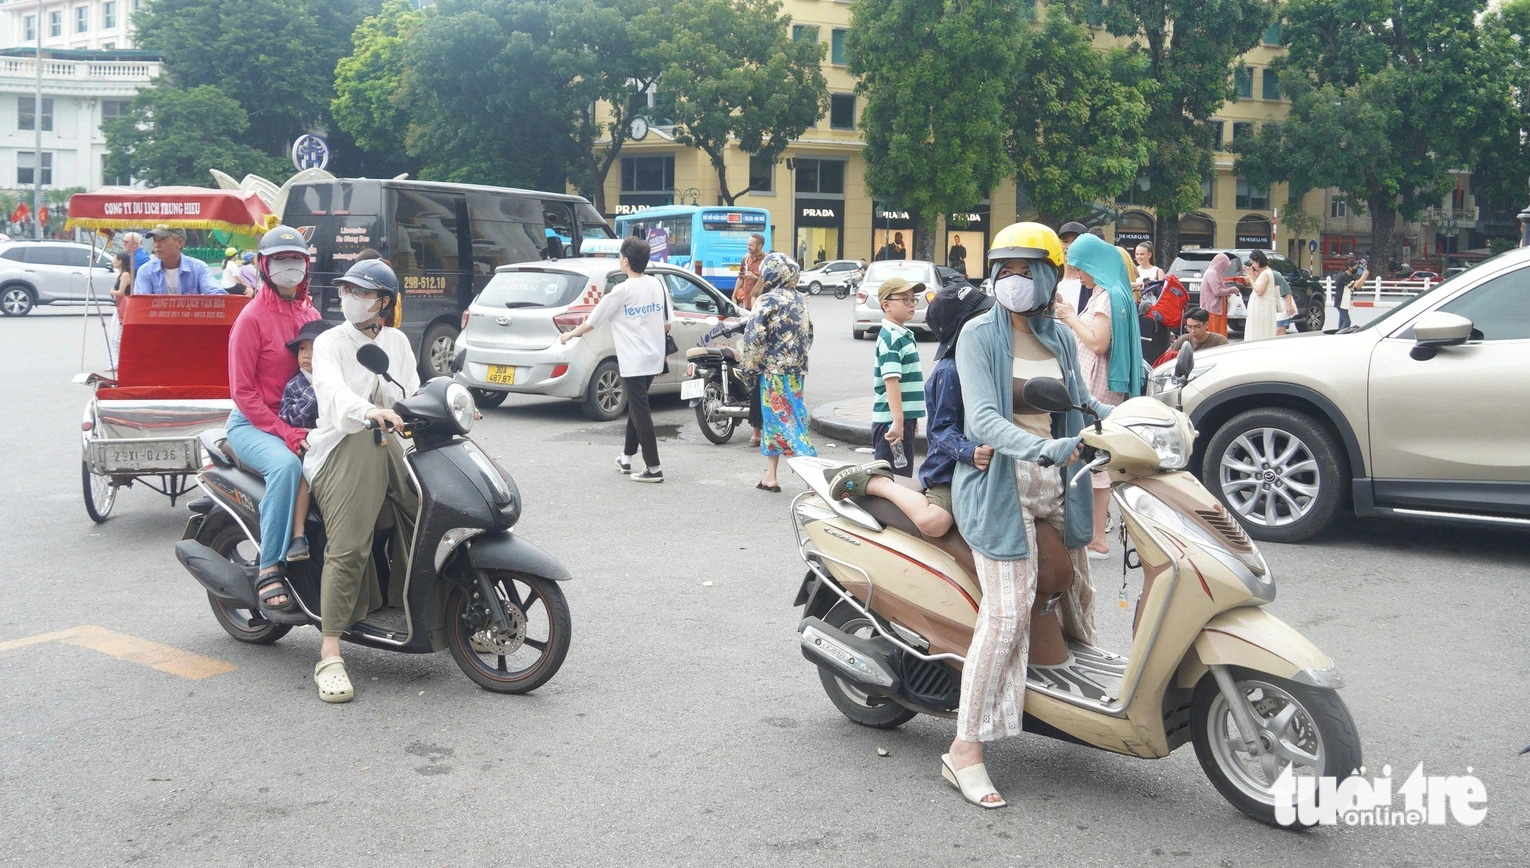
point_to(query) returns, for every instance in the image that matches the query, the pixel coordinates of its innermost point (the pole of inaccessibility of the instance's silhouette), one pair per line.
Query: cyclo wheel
(100, 493)
(522, 658)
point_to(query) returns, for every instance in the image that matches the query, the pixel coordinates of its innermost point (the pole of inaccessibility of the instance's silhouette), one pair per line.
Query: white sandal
(334, 683)
(972, 782)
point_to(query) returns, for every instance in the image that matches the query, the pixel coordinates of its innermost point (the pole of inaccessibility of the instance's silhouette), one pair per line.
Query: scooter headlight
(459, 403)
(1172, 441)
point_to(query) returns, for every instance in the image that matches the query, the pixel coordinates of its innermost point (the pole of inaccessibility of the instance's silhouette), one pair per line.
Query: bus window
(427, 226)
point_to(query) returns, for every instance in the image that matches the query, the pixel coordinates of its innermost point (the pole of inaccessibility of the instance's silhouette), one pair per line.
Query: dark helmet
(282, 239)
(373, 274)
(951, 308)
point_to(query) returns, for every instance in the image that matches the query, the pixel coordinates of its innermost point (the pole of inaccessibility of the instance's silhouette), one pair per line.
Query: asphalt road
(685, 728)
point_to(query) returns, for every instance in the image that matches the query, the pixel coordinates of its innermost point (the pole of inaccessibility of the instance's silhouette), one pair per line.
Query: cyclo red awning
(175, 346)
(179, 207)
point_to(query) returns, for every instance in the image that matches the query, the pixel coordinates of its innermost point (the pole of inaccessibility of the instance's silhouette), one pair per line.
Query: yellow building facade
(820, 208)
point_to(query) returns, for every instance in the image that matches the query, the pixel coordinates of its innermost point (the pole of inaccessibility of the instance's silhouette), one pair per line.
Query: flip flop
(853, 479)
(763, 487)
(334, 682)
(972, 782)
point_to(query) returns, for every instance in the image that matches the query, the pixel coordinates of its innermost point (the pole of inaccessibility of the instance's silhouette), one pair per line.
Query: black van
(443, 240)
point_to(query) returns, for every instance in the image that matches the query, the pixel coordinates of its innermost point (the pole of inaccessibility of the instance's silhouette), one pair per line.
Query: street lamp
(1524, 227)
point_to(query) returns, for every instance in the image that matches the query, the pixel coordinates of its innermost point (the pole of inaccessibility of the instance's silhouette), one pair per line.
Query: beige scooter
(888, 616)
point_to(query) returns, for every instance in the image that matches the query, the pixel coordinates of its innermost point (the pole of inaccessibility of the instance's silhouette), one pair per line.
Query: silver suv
(510, 332)
(1421, 412)
(43, 272)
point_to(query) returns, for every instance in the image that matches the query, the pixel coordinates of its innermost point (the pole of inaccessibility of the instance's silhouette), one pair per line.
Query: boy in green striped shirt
(899, 381)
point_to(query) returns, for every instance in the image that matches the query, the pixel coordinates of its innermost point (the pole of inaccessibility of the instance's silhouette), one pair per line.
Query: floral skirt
(785, 431)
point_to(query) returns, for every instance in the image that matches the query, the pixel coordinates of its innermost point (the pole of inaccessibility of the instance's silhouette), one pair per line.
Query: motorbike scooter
(470, 585)
(888, 615)
(715, 385)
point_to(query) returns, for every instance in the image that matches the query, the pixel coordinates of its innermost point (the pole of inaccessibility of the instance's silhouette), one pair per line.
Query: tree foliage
(734, 73)
(369, 86)
(172, 135)
(1503, 160)
(1191, 48)
(1386, 100)
(1076, 118)
(936, 78)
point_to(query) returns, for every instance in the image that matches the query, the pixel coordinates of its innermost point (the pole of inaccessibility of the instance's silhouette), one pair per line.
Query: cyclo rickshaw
(170, 380)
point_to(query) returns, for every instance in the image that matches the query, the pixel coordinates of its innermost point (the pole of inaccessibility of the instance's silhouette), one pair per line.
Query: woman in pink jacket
(259, 366)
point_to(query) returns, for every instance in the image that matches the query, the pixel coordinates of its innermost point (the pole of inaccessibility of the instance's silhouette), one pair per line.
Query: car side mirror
(1047, 393)
(1439, 329)
(1185, 362)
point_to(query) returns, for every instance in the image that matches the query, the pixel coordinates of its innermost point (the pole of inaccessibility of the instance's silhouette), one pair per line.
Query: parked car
(831, 274)
(510, 332)
(1420, 279)
(1420, 412)
(44, 272)
(866, 318)
(1311, 299)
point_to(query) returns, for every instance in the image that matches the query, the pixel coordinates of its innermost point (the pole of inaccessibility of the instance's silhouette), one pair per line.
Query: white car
(510, 332)
(43, 272)
(866, 317)
(831, 274)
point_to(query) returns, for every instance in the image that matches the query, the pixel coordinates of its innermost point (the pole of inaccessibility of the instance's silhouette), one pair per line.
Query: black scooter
(471, 585)
(715, 386)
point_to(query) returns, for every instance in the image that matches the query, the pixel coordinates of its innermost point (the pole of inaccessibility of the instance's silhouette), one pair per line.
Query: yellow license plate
(502, 375)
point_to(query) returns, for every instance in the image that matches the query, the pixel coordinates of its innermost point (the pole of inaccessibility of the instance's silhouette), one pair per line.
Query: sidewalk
(850, 422)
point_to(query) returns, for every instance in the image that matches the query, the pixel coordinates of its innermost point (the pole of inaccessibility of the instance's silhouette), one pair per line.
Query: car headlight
(1173, 441)
(1162, 378)
(459, 403)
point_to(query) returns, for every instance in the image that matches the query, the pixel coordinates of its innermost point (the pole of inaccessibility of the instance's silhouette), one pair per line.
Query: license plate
(691, 389)
(503, 375)
(734, 268)
(133, 456)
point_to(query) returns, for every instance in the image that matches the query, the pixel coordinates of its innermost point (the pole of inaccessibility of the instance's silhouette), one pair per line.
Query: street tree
(172, 135)
(1386, 99)
(1192, 48)
(936, 79)
(731, 72)
(1503, 162)
(1075, 119)
(276, 58)
(369, 87)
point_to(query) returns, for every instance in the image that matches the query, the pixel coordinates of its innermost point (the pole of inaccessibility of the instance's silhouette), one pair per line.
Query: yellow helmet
(1027, 241)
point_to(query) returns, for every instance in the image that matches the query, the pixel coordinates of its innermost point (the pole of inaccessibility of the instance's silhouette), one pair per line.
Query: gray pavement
(685, 728)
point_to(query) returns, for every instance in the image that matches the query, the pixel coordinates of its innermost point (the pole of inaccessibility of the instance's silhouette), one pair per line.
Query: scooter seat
(213, 442)
(727, 353)
(889, 515)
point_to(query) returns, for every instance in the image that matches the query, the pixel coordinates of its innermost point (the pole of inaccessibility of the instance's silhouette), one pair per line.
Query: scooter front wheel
(522, 657)
(1305, 729)
(877, 713)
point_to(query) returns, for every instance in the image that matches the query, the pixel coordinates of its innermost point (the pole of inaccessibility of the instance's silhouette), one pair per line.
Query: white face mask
(358, 310)
(287, 273)
(1017, 293)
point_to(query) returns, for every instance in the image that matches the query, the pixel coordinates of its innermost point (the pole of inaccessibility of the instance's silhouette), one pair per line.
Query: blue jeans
(283, 471)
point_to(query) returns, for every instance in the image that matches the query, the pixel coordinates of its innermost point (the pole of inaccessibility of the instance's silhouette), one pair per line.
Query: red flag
(21, 213)
(42, 215)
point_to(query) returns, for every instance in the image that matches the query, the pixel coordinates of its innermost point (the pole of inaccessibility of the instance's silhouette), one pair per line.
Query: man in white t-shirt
(639, 313)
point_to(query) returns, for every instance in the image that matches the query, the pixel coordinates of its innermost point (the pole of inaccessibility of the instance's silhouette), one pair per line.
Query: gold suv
(1423, 412)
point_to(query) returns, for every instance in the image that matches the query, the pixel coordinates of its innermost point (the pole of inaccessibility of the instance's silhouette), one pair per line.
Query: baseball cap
(894, 285)
(164, 231)
(1072, 227)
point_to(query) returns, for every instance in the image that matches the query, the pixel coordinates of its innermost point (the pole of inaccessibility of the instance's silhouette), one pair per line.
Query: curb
(824, 419)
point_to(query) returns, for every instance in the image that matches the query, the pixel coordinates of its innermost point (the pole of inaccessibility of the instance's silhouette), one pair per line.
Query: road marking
(165, 658)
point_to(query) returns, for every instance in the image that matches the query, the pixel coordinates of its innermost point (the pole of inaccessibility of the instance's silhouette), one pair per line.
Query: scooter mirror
(1185, 363)
(1047, 393)
(373, 357)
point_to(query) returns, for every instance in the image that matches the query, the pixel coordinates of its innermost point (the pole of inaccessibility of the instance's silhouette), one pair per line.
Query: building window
(56, 23)
(762, 175)
(29, 28)
(1271, 85)
(26, 115)
(1338, 209)
(1242, 130)
(109, 14)
(81, 19)
(804, 33)
(109, 180)
(1208, 193)
(1243, 82)
(648, 174)
(1133, 195)
(821, 176)
(108, 46)
(842, 111)
(839, 53)
(26, 162)
(1218, 130)
(1272, 34)
(111, 108)
(1251, 197)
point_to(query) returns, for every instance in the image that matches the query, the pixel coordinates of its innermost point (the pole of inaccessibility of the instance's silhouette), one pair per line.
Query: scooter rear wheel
(851, 702)
(522, 658)
(1306, 729)
(243, 624)
(714, 426)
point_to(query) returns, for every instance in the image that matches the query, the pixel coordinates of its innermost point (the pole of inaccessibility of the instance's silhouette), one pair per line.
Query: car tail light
(86, 426)
(558, 371)
(466, 315)
(860, 298)
(567, 322)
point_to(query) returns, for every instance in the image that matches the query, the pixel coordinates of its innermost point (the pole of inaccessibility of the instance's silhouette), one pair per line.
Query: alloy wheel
(1287, 736)
(15, 302)
(1269, 477)
(608, 391)
(441, 355)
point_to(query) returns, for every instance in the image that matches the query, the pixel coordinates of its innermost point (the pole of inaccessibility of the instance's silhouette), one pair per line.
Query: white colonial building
(68, 24)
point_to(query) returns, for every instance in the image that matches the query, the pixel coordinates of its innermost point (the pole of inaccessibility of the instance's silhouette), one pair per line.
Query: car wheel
(439, 345)
(605, 398)
(1316, 314)
(487, 398)
(815, 288)
(1278, 471)
(16, 300)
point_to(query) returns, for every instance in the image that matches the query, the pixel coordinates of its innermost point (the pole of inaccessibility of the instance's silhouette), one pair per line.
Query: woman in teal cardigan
(996, 509)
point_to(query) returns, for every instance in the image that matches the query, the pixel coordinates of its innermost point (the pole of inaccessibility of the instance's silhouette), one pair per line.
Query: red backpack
(1172, 301)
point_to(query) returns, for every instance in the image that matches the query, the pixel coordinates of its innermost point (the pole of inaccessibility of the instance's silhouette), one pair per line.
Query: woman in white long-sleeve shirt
(358, 474)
